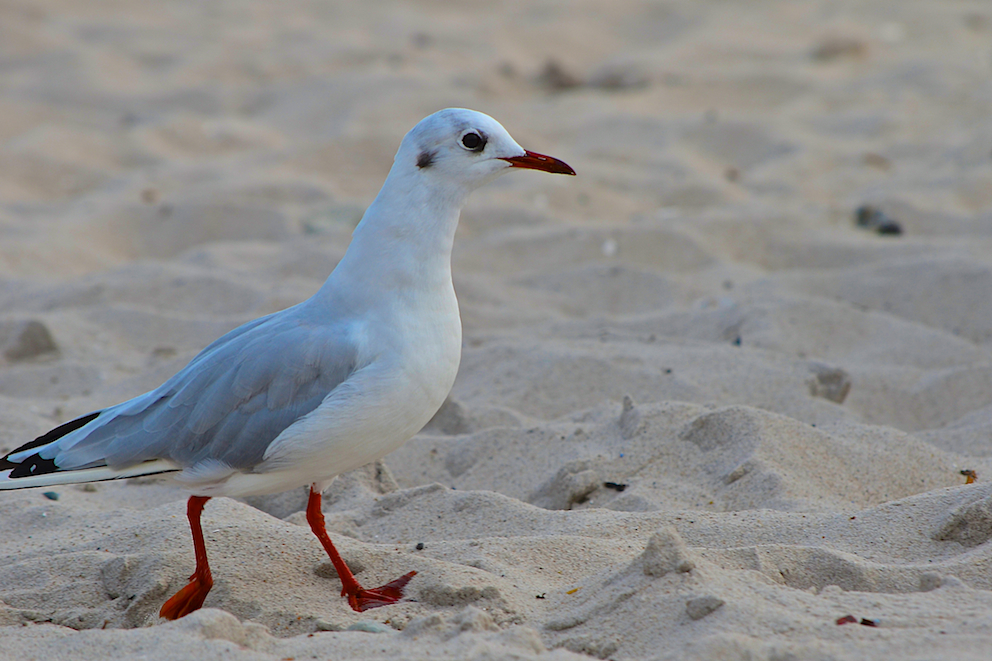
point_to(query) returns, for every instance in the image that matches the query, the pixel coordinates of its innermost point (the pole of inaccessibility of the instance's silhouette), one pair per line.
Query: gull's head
(465, 148)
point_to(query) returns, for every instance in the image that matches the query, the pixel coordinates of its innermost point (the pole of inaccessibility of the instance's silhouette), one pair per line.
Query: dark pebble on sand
(873, 218)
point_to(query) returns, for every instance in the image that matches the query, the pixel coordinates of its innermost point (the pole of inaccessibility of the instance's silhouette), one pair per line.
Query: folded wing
(224, 408)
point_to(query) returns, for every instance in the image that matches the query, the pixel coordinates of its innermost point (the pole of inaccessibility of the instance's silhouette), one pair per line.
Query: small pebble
(831, 383)
(51, 495)
(836, 48)
(554, 77)
(873, 218)
(420, 546)
(877, 161)
(24, 340)
(700, 607)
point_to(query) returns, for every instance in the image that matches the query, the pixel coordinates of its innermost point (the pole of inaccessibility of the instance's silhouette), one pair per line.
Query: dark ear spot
(425, 159)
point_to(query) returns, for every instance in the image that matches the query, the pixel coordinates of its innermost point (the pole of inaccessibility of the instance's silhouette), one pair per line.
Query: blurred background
(251, 120)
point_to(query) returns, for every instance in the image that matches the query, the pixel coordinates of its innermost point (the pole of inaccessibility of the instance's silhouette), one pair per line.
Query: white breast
(411, 369)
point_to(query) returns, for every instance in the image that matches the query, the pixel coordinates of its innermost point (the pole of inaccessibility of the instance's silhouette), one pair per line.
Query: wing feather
(227, 405)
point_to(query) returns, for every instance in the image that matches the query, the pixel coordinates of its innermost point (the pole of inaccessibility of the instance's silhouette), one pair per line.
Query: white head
(406, 234)
(465, 149)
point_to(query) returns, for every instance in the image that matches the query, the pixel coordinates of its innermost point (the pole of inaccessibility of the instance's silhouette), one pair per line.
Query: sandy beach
(702, 412)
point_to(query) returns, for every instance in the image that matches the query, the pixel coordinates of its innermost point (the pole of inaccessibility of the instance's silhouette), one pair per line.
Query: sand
(701, 413)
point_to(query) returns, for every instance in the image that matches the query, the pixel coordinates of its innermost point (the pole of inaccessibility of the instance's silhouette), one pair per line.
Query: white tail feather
(98, 474)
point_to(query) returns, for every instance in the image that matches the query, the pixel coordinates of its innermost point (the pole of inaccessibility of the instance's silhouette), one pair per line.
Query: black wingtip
(35, 465)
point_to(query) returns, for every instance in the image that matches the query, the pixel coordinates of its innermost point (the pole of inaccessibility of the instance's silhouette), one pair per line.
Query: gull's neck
(402, 247)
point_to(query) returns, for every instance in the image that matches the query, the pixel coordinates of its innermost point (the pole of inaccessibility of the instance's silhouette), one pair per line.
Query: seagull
(331, 384)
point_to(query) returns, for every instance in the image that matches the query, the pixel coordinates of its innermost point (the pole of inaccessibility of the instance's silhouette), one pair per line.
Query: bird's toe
(383, 595)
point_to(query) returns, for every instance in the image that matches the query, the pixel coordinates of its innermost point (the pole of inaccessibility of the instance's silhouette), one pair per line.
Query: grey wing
(228, 404)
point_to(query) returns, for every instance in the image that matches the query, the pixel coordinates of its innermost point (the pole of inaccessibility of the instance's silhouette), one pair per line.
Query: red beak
(534, 161)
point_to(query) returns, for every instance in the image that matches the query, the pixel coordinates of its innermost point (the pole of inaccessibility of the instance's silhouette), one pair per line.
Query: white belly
(371, 414)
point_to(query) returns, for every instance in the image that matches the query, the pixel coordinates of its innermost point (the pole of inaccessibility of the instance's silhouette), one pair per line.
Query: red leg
(191, 597)
(359, 598)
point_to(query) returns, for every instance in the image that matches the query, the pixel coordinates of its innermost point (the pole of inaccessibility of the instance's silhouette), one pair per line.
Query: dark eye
(473, 141)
